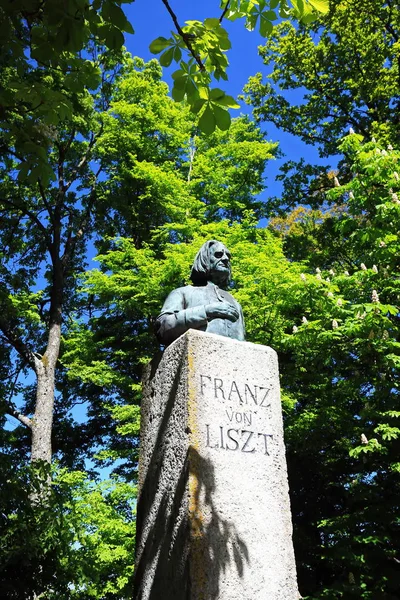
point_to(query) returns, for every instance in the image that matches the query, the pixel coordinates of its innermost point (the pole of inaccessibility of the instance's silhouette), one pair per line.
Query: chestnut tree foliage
(126, 176)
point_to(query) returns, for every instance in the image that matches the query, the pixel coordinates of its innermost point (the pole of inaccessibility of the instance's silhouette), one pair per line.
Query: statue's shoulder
(183, 290)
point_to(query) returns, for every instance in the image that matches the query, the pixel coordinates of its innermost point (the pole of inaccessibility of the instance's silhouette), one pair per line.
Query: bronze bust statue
(205, 305)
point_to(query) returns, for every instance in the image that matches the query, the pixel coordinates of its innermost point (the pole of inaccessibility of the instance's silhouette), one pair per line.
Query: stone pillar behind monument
(214, 517)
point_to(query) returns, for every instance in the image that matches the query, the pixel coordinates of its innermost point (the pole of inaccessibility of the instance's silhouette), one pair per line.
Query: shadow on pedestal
(183, 544)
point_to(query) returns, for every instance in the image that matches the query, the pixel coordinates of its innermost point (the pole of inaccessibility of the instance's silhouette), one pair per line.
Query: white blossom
(377, 151)
(396, 175)
(390, 147)
(318, 270)
(382, 244)
(351, 131)
(295, 329)
(374, 140)
(335, 324)
(374, 296)
(363, 267)
(302, 277)
(347, 274)
(336, 181)
(327, 279)
(318, 276)
(374, 268)
(304, 320)
(339, 302)
(384, 153)
(330, 295)
(364, 439)
(395, 199)
(351, 195)
(331, 272)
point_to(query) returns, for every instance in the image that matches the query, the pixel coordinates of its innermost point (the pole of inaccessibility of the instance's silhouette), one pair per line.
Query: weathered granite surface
(214, 518)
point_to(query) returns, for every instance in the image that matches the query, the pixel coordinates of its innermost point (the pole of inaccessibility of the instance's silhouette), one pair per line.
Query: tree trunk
(42, 422)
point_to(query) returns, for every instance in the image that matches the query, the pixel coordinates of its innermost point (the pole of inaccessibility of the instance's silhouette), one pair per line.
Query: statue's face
(220, 259)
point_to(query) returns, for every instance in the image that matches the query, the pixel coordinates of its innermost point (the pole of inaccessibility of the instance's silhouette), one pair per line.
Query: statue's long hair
(200, 272)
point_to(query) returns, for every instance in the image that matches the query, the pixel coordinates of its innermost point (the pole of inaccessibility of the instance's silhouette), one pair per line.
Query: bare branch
(23, 350)
(84, 160)
(47, 205)
(224, 11)
(81, 228)
(14, 412)
(34, 218)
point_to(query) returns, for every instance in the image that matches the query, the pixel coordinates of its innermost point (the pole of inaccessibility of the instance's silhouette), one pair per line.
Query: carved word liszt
(238, 396)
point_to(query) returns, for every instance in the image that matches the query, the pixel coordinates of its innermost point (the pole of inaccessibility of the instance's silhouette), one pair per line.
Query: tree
(79, 544)
(343, 374)
(345, 67)
(339, 364)
(42, 42)
(346, 64)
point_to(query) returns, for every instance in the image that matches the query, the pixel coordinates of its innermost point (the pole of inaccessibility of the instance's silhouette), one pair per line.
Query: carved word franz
(242, 440)
(254, 395)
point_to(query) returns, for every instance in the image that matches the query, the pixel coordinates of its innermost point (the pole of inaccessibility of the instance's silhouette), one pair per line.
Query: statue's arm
(174, 319)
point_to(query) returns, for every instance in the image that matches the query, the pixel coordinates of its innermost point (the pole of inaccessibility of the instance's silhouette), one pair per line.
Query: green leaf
(321, 6)
(112, 36)
(178, 93)
(251, 22)
(177, 54)
(159, 44)
(266, 27)
(207, 121)
(128, 27)
(228, 101)
(167, 57)
(216, 94)
(23, 171)
(197, 105)
(211, 23)
(117, 16)
(222, 118)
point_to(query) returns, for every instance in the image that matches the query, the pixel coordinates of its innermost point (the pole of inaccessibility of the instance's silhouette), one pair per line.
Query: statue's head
(212, 263)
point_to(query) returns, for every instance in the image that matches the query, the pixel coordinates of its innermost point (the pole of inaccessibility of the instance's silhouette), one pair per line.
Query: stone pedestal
(214, 517)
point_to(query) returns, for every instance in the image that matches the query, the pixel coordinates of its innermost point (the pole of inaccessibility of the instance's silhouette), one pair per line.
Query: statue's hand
(222, 310)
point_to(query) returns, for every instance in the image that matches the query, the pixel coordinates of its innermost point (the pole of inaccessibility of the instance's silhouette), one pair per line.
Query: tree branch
(23, 350)
(84, 160)
(31, 215)
(184, 36)
(224, 11)
(47, 205)
(14, 412)
(73, 240)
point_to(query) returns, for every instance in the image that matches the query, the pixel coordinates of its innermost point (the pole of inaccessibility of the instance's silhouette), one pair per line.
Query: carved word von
(242, 440)
(254, 395)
